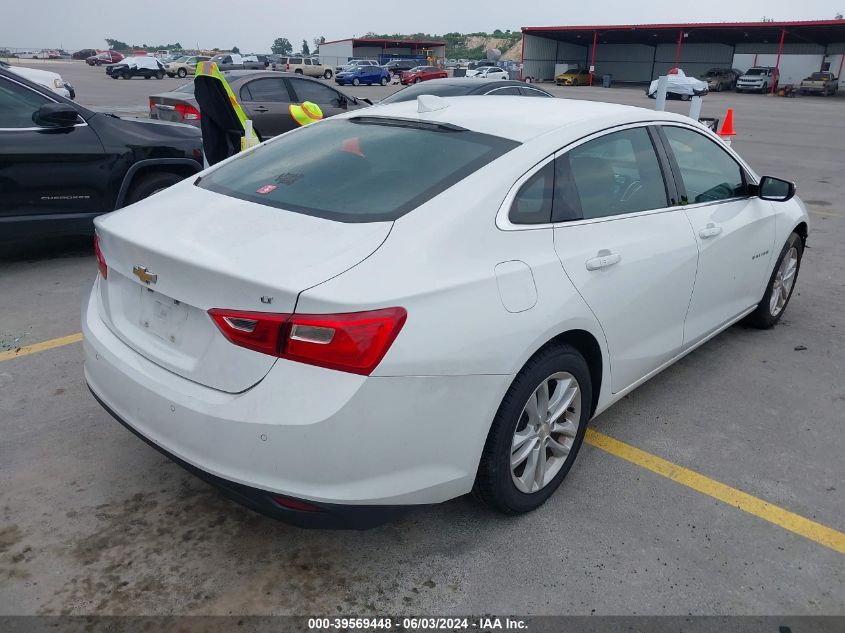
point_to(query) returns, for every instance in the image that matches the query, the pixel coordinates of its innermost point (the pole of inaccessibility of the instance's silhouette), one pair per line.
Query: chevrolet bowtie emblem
(144, 275)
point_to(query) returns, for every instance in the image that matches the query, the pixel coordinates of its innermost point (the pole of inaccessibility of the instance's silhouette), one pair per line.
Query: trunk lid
(207, 250)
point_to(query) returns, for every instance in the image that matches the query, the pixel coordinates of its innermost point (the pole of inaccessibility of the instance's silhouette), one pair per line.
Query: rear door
(629, 252)
(267, 101)
(734, 231)
(47, 172)
(331, 102)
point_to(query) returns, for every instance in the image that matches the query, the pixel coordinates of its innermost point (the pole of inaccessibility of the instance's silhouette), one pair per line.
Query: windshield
(756, 71)
(363, 169)
(818, 76)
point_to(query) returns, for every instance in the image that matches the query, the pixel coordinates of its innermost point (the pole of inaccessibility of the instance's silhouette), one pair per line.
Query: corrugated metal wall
(626, 62)
(539, 55)
(696, 59)
(335, 53)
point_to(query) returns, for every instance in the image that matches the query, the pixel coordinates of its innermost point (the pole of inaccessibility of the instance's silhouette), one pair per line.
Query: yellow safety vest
(306, 113)
(210, 69)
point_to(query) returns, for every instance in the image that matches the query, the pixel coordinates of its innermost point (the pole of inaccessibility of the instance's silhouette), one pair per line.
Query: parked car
(573, 77)
(327, 284)
(363, 75)
(130, 67)
(233, 61)
(459, 86)
(758, 79)
(397, 66)
(491, 72)
(422, 73)
(184, 66)
(266, 97)
(106, 57)
(719, 79)
(680, 86)
(62, 164)
(83, 54)
(309, 66)
(823, 83)
(46, 78)
(474, 67)
(355, 62)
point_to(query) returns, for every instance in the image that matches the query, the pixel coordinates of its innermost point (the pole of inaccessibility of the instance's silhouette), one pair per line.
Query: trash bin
(606, 81)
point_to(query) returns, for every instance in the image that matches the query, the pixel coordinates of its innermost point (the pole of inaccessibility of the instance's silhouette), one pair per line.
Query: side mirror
(775, 189)
(56, 115)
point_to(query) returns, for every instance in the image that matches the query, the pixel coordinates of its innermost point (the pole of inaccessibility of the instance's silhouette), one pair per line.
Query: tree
(317, 41)
(236, 50)
(839, 16)
(305, 49)
(117, 45)
(281, 46)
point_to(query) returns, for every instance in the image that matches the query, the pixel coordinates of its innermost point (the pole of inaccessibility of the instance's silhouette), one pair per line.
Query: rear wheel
(298, 71)
(182, 73)
(536, 433)
(160, 74)
(327, 74)
(781, 285)
(151, 183)
(383, 81)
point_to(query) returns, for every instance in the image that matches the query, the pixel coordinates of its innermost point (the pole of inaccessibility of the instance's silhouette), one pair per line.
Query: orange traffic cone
(728, 125)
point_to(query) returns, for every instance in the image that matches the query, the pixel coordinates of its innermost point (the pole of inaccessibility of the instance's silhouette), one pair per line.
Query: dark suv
(62, 164)
(396, 66)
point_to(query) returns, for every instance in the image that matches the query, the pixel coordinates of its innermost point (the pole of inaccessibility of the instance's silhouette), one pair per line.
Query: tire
(148, 76)
(356, 81)
(496, 481)
(160, 75)
(685, 97)
(417, 80)
(115, 76)
(182, 73)
(383, 81)
(769, 310)
(327, 74)
(765, 89)
(298, 71)
(150, 183)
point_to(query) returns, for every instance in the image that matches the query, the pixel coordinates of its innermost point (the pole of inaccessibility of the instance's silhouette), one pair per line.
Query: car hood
(43, 77)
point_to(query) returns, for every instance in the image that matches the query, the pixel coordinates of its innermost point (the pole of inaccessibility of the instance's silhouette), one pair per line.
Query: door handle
(711, 230)
(260, 109)
(604, 259)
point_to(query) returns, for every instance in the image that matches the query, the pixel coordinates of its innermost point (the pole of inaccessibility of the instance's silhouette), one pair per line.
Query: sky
(252, 26)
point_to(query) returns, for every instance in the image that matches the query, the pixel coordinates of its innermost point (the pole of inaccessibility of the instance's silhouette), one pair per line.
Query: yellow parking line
(825, 214)
(811, 530)
(41, 347)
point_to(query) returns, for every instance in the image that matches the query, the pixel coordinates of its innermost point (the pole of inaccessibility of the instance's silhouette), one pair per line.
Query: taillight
(152, 105)
(287, 66)
(353, 342)
(101, 261)
(187, 111)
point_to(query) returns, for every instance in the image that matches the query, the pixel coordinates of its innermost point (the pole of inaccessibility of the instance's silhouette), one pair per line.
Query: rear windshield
(364, 169)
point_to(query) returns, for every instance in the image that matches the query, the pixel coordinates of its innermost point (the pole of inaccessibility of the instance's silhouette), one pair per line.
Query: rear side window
(617, 173)
(364, 169)
(533, 203)
(708, 172)
(295, 60)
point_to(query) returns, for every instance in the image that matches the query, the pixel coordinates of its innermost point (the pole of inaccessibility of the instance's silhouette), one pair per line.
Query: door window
(708, 172)
(307, 62)
(615, 174)
(268, 89)
(315, 92)
(18, 105)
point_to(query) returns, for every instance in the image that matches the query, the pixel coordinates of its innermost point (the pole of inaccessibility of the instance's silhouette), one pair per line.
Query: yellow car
(573, 78)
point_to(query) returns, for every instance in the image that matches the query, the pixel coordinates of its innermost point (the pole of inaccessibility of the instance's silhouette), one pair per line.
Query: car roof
(518, 118)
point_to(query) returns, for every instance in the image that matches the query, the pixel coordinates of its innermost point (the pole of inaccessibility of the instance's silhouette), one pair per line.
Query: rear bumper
(305, 432)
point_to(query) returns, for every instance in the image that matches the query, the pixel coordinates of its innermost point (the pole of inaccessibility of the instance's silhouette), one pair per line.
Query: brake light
(152, 105)
(101, 261)
(287, 66)
(354, 342)
(187, 111)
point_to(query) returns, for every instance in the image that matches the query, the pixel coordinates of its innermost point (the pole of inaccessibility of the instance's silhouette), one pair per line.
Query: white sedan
(45, 78)
(490, 72)
(680, 86)
(332, 334)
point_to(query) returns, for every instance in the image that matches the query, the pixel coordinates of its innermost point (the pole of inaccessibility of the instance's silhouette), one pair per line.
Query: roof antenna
(430, 103)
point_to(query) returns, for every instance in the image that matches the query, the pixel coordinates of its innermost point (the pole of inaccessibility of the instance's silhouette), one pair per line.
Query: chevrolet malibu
(331, 335)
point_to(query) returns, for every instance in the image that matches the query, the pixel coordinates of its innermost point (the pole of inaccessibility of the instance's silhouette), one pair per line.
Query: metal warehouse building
(339, 52)
(640, 53)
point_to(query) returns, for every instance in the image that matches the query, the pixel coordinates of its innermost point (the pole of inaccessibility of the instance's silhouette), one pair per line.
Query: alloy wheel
(545, 432)
(783, 282)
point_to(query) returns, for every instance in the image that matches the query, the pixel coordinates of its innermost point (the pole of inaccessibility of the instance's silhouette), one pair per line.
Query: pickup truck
(233, 61)
(823, 83)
